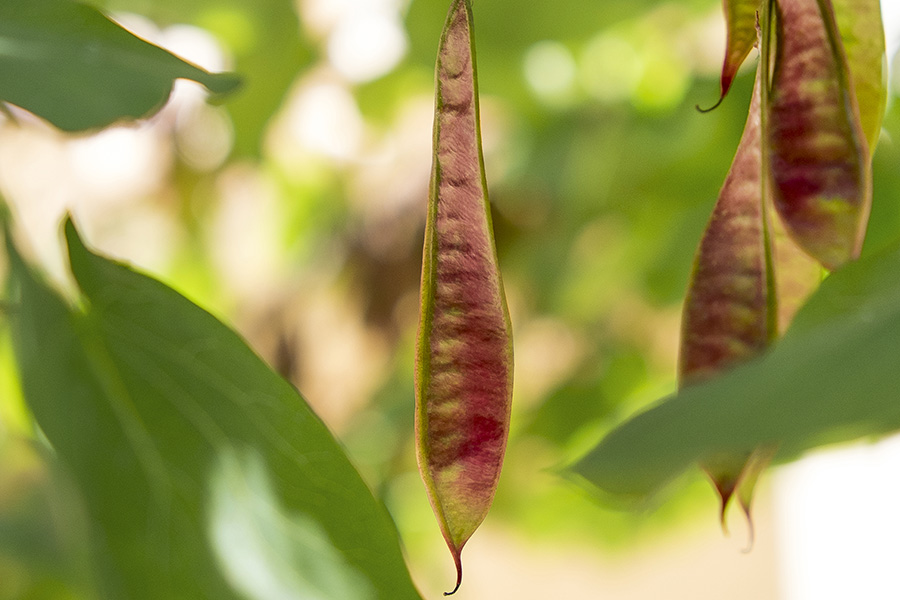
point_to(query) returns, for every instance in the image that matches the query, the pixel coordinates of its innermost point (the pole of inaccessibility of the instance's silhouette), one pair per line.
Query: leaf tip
(69, 226)
(220, 84)
(72, 235)
(79, 253)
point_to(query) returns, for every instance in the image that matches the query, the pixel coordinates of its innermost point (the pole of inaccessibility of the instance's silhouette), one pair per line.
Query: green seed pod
(464, 359)
(862, 33)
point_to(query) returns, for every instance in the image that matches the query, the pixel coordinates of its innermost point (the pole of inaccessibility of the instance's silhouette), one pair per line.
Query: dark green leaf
(145, 397)
(68, 63)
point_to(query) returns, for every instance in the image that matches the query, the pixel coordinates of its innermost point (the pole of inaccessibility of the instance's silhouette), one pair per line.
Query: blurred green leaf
(264, 38)
(832, 378)
(44, 552)
(68, 63)
(142, 396)
(290, 554)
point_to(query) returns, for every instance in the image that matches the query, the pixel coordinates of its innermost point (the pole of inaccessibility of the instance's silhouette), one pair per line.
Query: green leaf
(830, 379)
(67, 63)
(464, 357)
(44, 551)
(292, 556)
(145, 396)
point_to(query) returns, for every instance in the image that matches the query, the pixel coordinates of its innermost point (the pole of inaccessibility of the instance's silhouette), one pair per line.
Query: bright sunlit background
(296, 212)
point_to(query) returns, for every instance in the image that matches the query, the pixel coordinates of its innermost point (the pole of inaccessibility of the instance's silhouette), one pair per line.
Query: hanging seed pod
(818, 155)
(740, 21)
(464, 358)
(862, 33)
(728, 312)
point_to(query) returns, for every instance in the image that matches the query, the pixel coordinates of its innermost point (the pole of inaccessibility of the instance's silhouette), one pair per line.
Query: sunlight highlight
(550, 71)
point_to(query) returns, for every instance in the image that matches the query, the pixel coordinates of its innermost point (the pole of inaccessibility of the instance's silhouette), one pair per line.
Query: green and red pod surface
(818, 151)
(862, 34)
(727, 310)
(464, 358)
(740, 21)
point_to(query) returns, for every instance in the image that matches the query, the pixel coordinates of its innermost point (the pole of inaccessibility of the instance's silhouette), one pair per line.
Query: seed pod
(464, 355)
(727, 313)
(797, 274)
(740, 20)
(862, 33)
(818, 154)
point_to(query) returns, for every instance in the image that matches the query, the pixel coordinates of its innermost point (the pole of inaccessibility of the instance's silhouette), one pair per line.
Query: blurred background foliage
(295, 210)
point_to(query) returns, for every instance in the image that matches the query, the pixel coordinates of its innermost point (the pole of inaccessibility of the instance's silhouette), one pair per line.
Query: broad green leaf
(44, 550)
(862, 32)
(291, 555)
(464, 356)
(67, 63)
(830, 379)
(143, 396)
(818, 158)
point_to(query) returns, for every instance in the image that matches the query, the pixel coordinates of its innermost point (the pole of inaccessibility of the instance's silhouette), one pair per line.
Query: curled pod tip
(740, 22)
(464, 355)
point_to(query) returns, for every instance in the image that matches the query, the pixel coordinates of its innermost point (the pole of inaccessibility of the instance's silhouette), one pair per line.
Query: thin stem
(767, 20)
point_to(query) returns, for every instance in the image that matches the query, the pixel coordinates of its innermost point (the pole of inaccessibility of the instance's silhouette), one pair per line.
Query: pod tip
(457, 558)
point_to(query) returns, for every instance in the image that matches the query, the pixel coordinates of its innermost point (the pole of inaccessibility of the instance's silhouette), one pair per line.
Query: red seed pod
(726, 314)
(727, 310)
(818, 154)
(464, 359)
